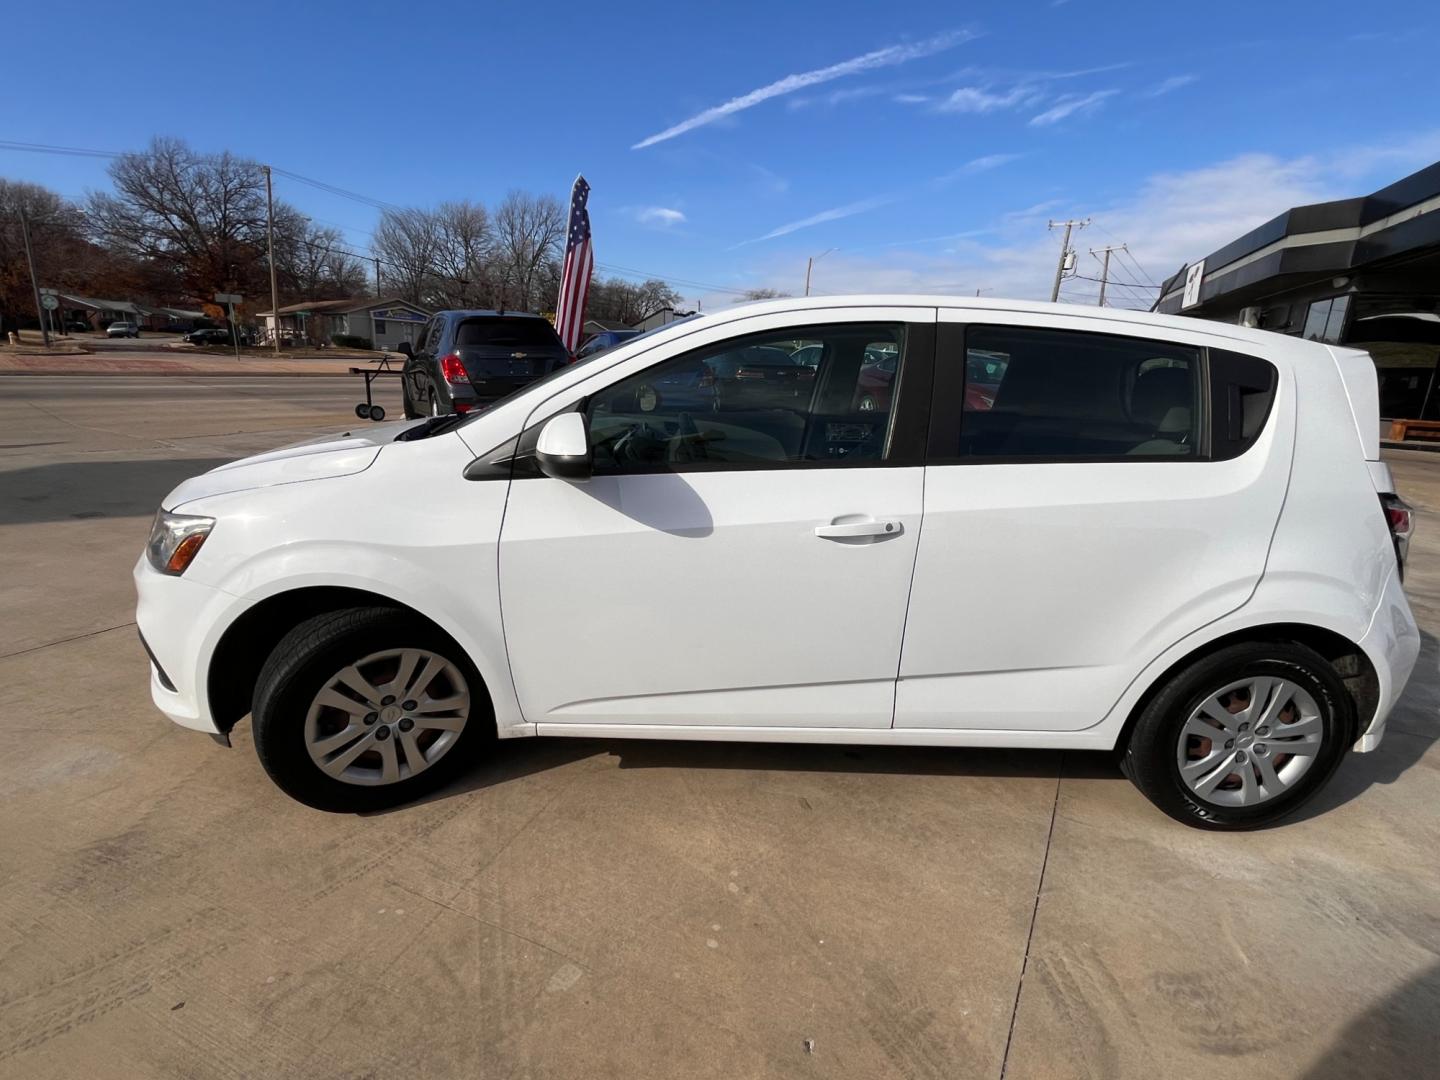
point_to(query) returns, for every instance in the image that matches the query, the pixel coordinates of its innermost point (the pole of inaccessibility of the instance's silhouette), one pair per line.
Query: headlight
(175, 540)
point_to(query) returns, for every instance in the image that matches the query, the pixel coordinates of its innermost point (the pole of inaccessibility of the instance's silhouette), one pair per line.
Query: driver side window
(818, 395)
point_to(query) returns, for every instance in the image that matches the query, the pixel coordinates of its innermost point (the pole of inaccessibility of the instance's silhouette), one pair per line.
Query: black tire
(407, 406)
(298, 668)
(1150, 758)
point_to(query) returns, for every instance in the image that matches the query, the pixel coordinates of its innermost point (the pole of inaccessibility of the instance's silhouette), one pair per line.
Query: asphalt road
(633, 909)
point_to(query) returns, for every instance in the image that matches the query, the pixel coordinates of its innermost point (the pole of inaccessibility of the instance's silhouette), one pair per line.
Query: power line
(670, 280)
(1144, 274)
(46, 148)
(344, 193)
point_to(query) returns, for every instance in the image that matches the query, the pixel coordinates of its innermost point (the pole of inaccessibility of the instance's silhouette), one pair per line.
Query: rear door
(1092, 494)
(735, 563)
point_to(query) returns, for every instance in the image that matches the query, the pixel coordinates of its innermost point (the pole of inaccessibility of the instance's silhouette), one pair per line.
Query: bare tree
(464, 276)
(200, 217)
(311, 261)
(759, 294)
(528, 232)
(628, 301)
(408, 243)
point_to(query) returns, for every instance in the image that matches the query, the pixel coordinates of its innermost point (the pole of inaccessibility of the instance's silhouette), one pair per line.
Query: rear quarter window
(1242, 390)
(508, 333)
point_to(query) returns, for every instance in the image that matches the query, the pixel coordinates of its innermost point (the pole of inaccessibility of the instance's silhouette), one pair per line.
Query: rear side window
(505, 333)
(1057, 395)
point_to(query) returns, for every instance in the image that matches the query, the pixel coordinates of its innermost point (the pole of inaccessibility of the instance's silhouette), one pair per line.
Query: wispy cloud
(660, 216)
(1070, 105)
(1174, 82)
(835, 213)
(911, 99)
(889, 56)
(988, 162)
(837, 97)
(978, 99)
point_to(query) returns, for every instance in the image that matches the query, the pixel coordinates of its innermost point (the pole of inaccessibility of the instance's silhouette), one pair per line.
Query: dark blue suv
(466, 360)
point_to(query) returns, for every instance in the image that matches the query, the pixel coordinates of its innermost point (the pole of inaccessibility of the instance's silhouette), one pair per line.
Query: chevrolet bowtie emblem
(518, 355)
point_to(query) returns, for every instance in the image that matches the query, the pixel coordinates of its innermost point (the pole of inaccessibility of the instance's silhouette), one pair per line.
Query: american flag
(575, 275)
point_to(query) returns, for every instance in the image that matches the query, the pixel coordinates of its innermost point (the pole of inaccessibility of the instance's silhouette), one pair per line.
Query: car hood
(323, 458)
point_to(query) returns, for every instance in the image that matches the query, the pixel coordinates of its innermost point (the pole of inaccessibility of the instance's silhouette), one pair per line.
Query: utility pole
(1105, 266)
(270, 247)
(34, 281)
(809, 263)
(1065, 253)
(378, 294)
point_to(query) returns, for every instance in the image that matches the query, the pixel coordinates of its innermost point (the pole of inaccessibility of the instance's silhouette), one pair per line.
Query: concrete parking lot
(635, 909)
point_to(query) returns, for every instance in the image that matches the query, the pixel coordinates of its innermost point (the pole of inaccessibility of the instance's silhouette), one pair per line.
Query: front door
(742, 556)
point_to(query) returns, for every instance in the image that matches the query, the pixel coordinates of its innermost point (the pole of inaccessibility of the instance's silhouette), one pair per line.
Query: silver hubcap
(1249, 741)
(387, 717)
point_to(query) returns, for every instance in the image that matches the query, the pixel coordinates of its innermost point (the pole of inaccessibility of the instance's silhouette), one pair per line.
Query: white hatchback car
(1042, 527)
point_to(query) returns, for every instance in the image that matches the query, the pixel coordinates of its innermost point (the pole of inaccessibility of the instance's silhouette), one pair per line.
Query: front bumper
(178, 622)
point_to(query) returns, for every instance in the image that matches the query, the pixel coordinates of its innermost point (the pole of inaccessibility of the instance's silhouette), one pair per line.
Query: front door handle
(850, 530)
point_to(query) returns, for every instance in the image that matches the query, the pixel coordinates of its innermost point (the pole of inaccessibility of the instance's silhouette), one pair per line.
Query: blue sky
(927, 143)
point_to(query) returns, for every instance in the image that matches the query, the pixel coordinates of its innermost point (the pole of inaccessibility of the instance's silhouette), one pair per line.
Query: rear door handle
(851, 529)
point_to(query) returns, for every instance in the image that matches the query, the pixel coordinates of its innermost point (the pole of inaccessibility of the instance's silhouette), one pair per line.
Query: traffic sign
(49, 301)
(228, 298)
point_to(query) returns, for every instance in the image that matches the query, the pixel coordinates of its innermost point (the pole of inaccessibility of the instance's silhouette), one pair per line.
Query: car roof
(471, 313)
(1141, 320)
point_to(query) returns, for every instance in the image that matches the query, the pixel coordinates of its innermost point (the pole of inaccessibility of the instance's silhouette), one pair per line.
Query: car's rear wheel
(1243, 737)
(411, 413)
(366, 708)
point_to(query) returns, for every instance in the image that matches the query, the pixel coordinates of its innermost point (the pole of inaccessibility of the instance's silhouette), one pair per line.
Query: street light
(811, 262)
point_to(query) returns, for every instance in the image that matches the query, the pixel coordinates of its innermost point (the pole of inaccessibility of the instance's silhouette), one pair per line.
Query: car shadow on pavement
(1397, 1037)
(82, 490)
(516, 758)
(1411, 730)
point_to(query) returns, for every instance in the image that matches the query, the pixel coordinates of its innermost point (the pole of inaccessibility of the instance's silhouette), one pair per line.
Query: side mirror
(404, 347)
(563, 449)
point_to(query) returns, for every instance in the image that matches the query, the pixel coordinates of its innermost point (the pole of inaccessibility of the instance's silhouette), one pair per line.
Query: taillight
(1401, 520)
(462, 407)
(453, 370)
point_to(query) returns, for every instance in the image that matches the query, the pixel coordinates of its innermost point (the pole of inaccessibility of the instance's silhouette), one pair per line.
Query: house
(600, 326)
(385, 323)
(662, 317)
(101, 313)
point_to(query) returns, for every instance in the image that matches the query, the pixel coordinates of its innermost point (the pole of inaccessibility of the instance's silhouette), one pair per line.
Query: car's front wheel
(366, 708)
(1243, 737)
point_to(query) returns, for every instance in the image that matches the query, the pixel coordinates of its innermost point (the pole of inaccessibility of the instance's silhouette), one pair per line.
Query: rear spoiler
(1362, 388)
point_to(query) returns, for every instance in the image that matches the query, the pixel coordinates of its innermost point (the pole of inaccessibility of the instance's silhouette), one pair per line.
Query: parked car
(214, 335)
(465, 360)
(606, 339)
(122, 329)
(1167, 536)
(77, 326)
